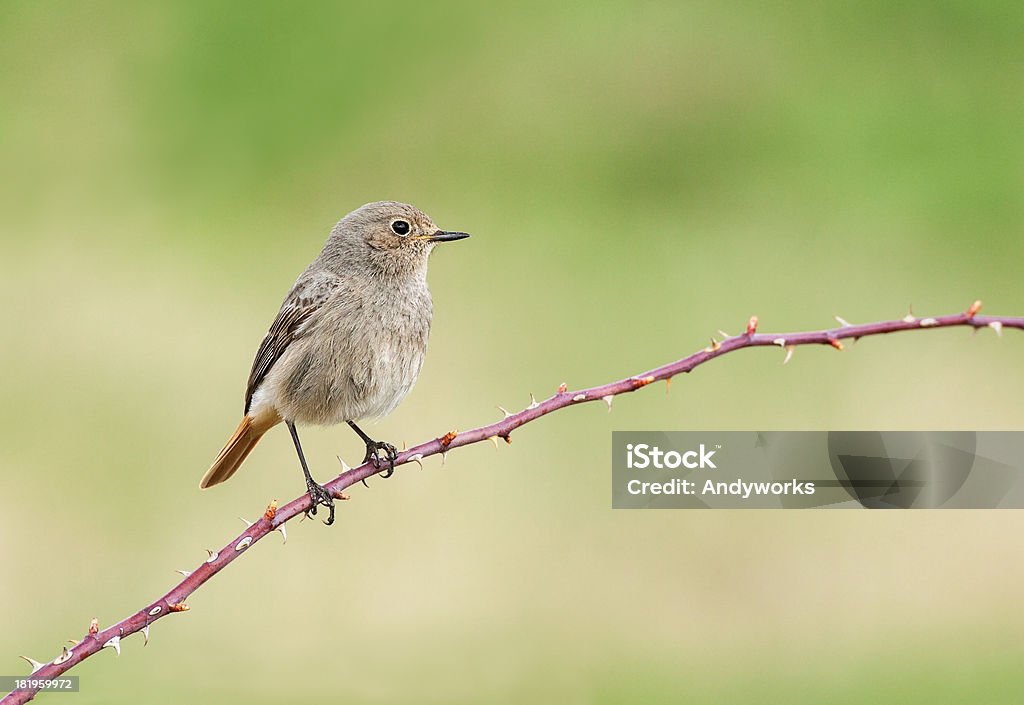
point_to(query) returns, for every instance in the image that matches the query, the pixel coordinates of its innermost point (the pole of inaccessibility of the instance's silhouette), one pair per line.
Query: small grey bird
(349, 340)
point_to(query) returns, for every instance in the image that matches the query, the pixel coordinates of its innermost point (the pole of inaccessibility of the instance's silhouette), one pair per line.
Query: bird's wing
(302, 303)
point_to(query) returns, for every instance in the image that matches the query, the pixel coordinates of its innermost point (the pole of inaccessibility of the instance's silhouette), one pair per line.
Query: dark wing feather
(302, 303)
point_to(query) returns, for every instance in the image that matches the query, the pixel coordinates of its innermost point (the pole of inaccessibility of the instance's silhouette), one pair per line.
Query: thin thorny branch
(274, 518)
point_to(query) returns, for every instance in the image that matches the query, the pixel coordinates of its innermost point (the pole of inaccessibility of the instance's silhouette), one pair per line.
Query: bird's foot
(320, 496)
(373, 456)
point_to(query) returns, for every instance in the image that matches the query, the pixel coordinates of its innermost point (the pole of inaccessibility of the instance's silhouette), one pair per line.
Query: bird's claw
(319, 496)
(373, 457)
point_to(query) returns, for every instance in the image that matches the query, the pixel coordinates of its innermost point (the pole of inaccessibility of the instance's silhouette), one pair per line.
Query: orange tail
(242, 441)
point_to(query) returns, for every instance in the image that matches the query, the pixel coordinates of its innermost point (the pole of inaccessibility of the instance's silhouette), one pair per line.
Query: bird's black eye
(401, 227)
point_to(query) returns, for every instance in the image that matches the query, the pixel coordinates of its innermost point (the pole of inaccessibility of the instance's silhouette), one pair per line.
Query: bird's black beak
(446, 236)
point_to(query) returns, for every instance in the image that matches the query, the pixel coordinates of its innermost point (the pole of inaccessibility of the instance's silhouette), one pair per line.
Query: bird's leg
(317, 493)
(372, 446)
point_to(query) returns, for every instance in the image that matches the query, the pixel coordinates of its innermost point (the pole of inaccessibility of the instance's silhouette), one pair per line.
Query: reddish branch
(274, 518)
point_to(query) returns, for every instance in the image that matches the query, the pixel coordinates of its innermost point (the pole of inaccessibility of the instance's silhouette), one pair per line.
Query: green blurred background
(636, 176)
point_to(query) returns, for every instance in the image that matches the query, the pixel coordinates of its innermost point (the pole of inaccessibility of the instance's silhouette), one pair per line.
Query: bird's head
(391, 237)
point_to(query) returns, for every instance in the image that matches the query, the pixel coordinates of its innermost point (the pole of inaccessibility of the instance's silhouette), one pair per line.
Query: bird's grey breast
(362, 354)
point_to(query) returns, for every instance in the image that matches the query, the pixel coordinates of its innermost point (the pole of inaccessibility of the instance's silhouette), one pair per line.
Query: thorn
(715, 345)
(723, 333)
(668, 385)
(271, 510)
(842, 321)
(909, 318)
(446, 439)
(533, 402)
(145, 635)
(562, 388)
(243, 544)
(213, 556)
(997, 326)
(444, 457)
(789, 354)
(494, 440)
(579, 397)
(752, 325)
(975, 307)
(74, 642)
(179, 607)
(94, 627)
(344, 465)
(33, 663)
(928, 322)
(608, 400)
(246, 522)
(507, 438)
(418, 459)
(65, 654)
(185, 573)
(781, 342)
(835, 343)
(114, 642)
(365, 484)
(284, 534)
(505, 411)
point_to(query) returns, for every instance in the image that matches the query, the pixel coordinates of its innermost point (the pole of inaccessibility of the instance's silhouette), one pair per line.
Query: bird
(348, 342)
